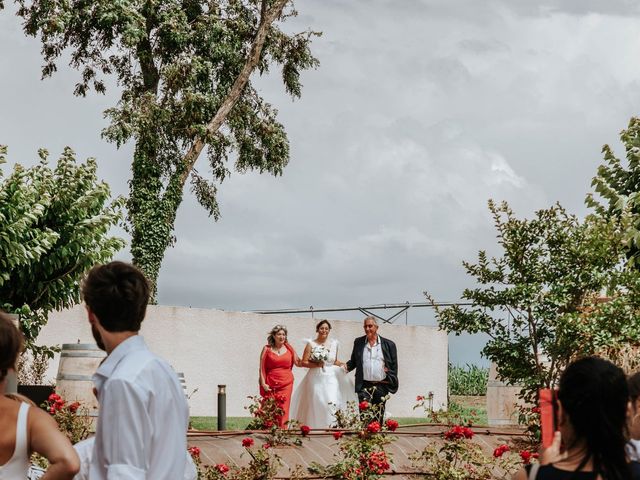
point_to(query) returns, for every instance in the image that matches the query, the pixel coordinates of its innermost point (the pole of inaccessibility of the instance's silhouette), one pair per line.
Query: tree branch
(238, 86)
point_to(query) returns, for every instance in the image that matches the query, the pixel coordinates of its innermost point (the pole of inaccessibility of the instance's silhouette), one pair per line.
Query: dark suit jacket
(390, 354)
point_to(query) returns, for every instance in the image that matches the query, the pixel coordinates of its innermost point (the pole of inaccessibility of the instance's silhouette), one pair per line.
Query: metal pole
(222, 407)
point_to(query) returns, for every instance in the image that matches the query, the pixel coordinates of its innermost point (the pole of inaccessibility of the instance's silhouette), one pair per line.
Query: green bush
(468, 380)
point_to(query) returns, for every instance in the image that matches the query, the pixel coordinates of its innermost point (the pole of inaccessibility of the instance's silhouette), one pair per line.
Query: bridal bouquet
(319, 354)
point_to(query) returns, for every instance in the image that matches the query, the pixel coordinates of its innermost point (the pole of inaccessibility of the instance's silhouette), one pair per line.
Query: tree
(619, 188)
(539, 301)
(54, 226)
(184, 70)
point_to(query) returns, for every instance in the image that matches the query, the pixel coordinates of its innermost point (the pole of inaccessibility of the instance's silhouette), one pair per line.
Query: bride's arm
(304, 361)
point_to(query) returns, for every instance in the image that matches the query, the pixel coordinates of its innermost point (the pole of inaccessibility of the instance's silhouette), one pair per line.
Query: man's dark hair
(118, 294)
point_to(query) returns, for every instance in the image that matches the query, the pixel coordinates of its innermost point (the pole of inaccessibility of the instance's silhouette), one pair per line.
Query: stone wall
(216, 347)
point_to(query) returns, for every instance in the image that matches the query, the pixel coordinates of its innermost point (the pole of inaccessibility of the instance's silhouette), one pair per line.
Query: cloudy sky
(419, 113)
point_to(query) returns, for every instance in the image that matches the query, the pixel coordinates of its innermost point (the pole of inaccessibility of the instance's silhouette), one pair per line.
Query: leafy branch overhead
(538, 301)
(184, 72)
(54, 226)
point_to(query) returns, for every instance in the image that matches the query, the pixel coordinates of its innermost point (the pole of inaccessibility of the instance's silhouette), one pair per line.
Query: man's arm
(125, 437)
(352, 362)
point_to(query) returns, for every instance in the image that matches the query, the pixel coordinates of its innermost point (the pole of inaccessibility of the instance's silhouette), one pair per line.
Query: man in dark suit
(376, 362)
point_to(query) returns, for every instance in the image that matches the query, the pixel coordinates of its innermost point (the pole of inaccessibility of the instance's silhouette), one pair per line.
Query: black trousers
(375, 393)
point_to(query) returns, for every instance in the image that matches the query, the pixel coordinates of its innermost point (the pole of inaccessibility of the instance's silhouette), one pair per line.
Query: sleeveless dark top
(549, 472)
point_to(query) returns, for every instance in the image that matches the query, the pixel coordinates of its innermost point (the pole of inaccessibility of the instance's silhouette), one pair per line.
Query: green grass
(240, 423)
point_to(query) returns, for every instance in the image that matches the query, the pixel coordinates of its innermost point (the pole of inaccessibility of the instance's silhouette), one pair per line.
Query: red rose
(194, 452)
(458, 432)
(54, 397)
(247, 442)
(363, 405)
(525, 455)
(501, 450)
(419, 398)
(222, 468)
(337, 435)
(391, 424)
(535, 410)
(373, 427)
(266, 445)
(73, 407)
(268, 424)
(305, 430)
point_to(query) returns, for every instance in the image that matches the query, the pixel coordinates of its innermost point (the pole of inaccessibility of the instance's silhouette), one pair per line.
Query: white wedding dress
(322, 392)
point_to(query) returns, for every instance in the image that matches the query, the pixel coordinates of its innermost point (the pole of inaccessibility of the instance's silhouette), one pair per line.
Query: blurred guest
(592, 424)
(276, 376)
(23, 429)
(143, 419)
(633, 449)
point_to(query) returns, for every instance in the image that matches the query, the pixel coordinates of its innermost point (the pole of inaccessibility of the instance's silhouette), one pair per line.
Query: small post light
(222, 407)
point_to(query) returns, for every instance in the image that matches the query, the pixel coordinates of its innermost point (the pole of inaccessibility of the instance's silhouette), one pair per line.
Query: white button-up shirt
(143, 420)
(373, 362)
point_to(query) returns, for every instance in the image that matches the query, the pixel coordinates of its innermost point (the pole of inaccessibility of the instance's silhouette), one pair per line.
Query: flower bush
(461, 459)
(267, 413)
(72, 418)
(262, 466)
(361, 455)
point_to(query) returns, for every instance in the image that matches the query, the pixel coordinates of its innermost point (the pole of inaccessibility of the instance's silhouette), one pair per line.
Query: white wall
(216, 347)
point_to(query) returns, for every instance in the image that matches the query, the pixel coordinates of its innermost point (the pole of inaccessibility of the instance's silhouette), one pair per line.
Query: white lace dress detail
(322, 392)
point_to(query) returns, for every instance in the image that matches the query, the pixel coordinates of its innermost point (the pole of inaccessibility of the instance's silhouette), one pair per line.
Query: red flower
(194, 452)
(498, 452)
(73, 407)
(526, 456)
(305, 430)
(337, 435)
(54, 397)
(535, 410)
(458, 432)
(376, 462)
(363, 405)
(373, 427)
(247, 442)
(222, 468)
(419, 398)
(268, 424)
(391, 424)
(266, 445)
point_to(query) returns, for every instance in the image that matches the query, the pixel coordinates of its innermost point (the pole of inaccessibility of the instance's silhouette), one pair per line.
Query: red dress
(278, 374)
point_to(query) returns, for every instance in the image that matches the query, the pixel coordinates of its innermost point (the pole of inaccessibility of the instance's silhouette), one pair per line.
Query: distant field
(240, 423)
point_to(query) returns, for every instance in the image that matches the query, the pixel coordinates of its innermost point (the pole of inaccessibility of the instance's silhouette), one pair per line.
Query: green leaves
(538, 301)
(54, 226)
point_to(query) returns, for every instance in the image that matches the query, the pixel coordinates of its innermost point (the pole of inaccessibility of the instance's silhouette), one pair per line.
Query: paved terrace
(320, 446)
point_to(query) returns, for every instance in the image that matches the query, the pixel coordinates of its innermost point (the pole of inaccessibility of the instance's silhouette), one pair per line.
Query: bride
(326, 387)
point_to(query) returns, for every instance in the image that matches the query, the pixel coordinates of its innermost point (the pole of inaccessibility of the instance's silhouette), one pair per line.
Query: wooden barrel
(502, 400)
(78, 363)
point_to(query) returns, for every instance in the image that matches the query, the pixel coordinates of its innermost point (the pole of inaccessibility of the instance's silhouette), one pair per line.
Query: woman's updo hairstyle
(271, 339)
(323, 322)
(10, 345)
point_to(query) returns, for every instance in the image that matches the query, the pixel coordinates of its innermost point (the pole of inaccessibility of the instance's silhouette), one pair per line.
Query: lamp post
(222, 407)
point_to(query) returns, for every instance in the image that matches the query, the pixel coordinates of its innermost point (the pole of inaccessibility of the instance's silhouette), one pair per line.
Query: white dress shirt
(143, 420)
(373, 362)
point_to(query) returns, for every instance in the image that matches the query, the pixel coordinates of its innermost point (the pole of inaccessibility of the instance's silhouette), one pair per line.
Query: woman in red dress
(276, 363)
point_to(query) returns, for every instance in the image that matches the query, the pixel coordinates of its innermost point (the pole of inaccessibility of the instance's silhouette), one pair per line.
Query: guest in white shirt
(143, 419)
(376, 362)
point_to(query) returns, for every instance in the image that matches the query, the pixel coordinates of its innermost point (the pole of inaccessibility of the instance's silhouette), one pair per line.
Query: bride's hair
(323, 322)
